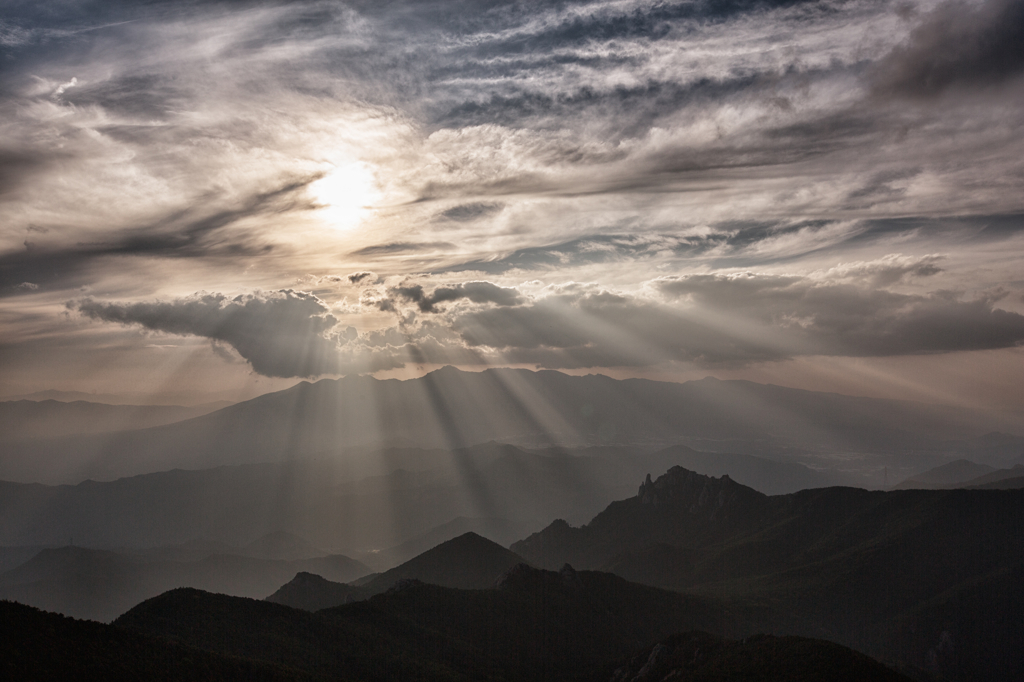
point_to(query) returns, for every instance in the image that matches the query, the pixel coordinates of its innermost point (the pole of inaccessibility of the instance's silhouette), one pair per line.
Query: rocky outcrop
(697, 493)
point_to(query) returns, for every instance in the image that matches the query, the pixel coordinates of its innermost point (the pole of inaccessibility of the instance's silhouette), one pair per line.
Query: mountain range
(894, 574)
(532, 625)
(963, 473)
(468, 562)
(101, 585)
(418, 492)
(452, 409)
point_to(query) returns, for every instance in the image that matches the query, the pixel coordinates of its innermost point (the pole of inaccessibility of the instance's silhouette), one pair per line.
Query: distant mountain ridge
(25, 419)
(468, 562)
(962, 474)
(411, 492)
(100, 585)
(450, 408)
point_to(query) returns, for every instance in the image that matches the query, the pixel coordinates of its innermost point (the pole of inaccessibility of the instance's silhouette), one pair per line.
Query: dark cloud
(826, 318)
(956, 45)
(477, 292)
(472, 211)
(365, 275)
(281, 334)
(401, 247)
(717, 320)
(184, 234)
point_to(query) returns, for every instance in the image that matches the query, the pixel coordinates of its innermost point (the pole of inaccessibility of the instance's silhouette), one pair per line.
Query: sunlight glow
(346, 195)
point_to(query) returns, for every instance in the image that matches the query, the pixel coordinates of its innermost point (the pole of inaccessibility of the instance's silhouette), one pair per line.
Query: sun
(345, 196)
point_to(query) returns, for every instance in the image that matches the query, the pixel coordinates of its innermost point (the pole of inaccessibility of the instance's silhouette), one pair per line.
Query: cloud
(886, 271)
(825, 318)
(401, 247)
(957, 44)
(477, 292)
(357, 277)
(281, 334)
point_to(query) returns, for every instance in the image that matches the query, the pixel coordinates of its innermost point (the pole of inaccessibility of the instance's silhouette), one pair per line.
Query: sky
(216, 199)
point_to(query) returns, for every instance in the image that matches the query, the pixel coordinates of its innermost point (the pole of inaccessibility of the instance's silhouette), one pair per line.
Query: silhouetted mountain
(43, 647)
(862, 566)
(319, 501)
(502, 531)
(994, 479)
(468, 562)
(100, 585)
(452, 409)
(311, 592)
(703, 657)
(27, 419)
(1008, 483)
(545, 626)
(946, 475)
(996, 476)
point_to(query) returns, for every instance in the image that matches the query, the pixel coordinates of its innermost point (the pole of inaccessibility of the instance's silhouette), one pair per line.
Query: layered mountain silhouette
(951, 473)
(964, 474)
(531, 625)
(412, 494)
(468, 562)
(29, 419)
(893, 574)
(502, 531)
(100, 585)
(452, 409)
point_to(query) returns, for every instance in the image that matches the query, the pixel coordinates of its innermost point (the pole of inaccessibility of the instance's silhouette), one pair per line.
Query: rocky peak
(696, 492)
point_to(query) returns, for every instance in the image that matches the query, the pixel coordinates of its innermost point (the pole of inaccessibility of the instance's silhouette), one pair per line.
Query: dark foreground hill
(47, 647)
(702, 657)
(534, 625)
(927, 579)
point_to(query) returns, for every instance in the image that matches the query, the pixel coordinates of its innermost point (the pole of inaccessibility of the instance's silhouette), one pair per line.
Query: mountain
(310, 592)
(332, 503)
(468, 562)
(502, 531)
(39, 646)
(876, 570)
(964, 474)
(946, 475)
(997, 476)
(703, 657)
(100, 585)
(25, 419)
(452, 409)
(533, 625)
(545, 627)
